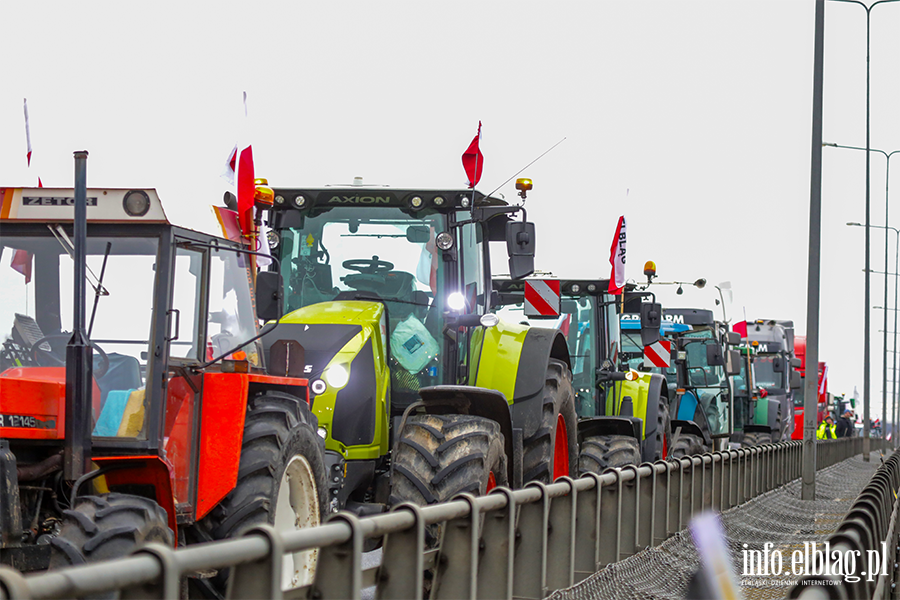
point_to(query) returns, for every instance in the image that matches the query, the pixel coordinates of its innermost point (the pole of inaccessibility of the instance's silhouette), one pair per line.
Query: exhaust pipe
(79, 367)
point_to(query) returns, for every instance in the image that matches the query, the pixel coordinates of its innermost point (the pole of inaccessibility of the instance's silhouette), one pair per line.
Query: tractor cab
(172, 324)
(388, 291)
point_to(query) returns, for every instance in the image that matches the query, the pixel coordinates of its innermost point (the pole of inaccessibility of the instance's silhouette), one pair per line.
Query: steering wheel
(367, 266)
(49, 356)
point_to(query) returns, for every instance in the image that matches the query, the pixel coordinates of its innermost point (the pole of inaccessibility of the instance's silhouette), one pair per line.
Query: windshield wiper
(67, 245)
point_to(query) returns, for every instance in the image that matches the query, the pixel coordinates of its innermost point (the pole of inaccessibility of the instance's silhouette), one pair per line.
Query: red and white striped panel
(542, 298)
(658, 354)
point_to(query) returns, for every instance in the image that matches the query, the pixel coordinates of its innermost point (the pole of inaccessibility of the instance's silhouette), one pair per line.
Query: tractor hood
(325, 329)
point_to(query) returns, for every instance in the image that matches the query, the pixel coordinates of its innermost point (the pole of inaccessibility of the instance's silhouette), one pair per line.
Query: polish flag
(617, 260)
(239, 173)
(473, 160)
(21, 262)
(230, 166)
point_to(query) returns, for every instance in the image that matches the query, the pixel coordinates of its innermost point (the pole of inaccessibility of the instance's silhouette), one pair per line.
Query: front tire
(440, 456)
(687, 444)
(110, 526)
(281, 482)
(553, 449)
(600, 452)
(756, 438)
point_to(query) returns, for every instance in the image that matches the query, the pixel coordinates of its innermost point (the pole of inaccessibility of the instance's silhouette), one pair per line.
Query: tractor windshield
(347, 252)
(36, 303)
(766, 376)
(707, 381)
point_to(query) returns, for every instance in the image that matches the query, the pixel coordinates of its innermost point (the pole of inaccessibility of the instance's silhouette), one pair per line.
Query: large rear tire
(553, 449)
(439, 456)
(687, 444)
(756, 438)
(281, 482)
(600, 452)
(110, 526)
(663, 436)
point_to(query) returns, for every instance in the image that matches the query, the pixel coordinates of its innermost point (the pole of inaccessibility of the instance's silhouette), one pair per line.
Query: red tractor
(155, 419)
(821, 403)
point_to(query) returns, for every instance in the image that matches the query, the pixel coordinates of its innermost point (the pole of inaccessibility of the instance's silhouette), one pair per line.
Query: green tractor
(699, 377)
(623, 414)
(419, 391)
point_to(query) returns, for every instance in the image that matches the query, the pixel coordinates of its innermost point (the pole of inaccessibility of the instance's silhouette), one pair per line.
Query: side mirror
(418, 234)
(796, 362)
(714, 356)
(269, 295)
(732, 362)
(520, 247)
(651, 321)
(796, 380)
(733, 338)
(778, 364)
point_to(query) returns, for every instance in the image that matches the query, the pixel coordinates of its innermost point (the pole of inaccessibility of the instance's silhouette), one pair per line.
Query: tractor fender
(645, 392)
(692, 428)
(513, 360)
(627, 426)
(479, 402)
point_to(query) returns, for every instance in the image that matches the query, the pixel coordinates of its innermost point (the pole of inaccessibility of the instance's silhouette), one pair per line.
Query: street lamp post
(887, 228)
(867, 447)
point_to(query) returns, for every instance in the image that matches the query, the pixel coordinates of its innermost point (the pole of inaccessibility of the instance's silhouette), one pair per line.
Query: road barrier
(868, 532)
(524, 543)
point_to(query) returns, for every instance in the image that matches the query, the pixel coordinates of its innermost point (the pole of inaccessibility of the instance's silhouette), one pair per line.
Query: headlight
(136, 203)
(323, 433)
(337, 376)
(318, 387)
(456, 301)
(299, 200)
(444, 240)
(272, 238)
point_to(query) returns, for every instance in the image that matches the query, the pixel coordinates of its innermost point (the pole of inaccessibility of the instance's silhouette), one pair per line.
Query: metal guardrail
(524, 543)
(871, 521)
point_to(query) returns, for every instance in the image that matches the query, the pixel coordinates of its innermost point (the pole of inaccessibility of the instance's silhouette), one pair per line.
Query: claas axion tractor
(419, 391)
(623, 414)
(148, 412)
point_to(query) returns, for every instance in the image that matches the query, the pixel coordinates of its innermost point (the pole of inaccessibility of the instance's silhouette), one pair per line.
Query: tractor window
(232, 316)
(766, 376)
(184, 317)
(471, 249)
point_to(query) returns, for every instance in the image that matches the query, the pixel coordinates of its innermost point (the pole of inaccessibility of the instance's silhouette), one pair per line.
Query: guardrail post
(561, 538)
(587, 530)
(531, 555)
(610, 512)
(400, 575)
(456, 575)
(697, 491)
(168, 585)
(339, 569)
(260, 579)
(720, 497)
(660, 502)
(709, 474)
(645, 508)
(628, 513)
(13, 584)
(495, 569)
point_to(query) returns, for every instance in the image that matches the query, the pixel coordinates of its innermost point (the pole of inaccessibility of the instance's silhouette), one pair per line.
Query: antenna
(526, 166)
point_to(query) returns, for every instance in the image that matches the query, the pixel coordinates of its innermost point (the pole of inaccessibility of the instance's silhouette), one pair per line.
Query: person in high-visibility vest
(827, 430)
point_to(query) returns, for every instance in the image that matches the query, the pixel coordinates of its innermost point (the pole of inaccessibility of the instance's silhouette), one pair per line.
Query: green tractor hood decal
(345, 359)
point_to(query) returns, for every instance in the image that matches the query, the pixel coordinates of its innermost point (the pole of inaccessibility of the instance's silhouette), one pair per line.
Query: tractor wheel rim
(297, 507)
(491, 483)
(561, 450)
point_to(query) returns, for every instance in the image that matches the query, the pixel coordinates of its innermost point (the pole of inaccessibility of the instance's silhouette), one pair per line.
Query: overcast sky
(691, 118)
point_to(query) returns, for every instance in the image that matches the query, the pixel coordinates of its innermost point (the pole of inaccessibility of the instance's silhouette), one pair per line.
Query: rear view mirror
(778, 364)
(520, 246)
(268, 296)
(714, 356)
(732, 362)
(651, 320)
(796, 380)
(796, 362)
(733, 338)
(418, 234)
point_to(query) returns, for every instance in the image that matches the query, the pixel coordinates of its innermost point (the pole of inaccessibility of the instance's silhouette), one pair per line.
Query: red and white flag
(823, 381)
(230, 166)
(740, 328)
(617, 259)
(473, 160)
